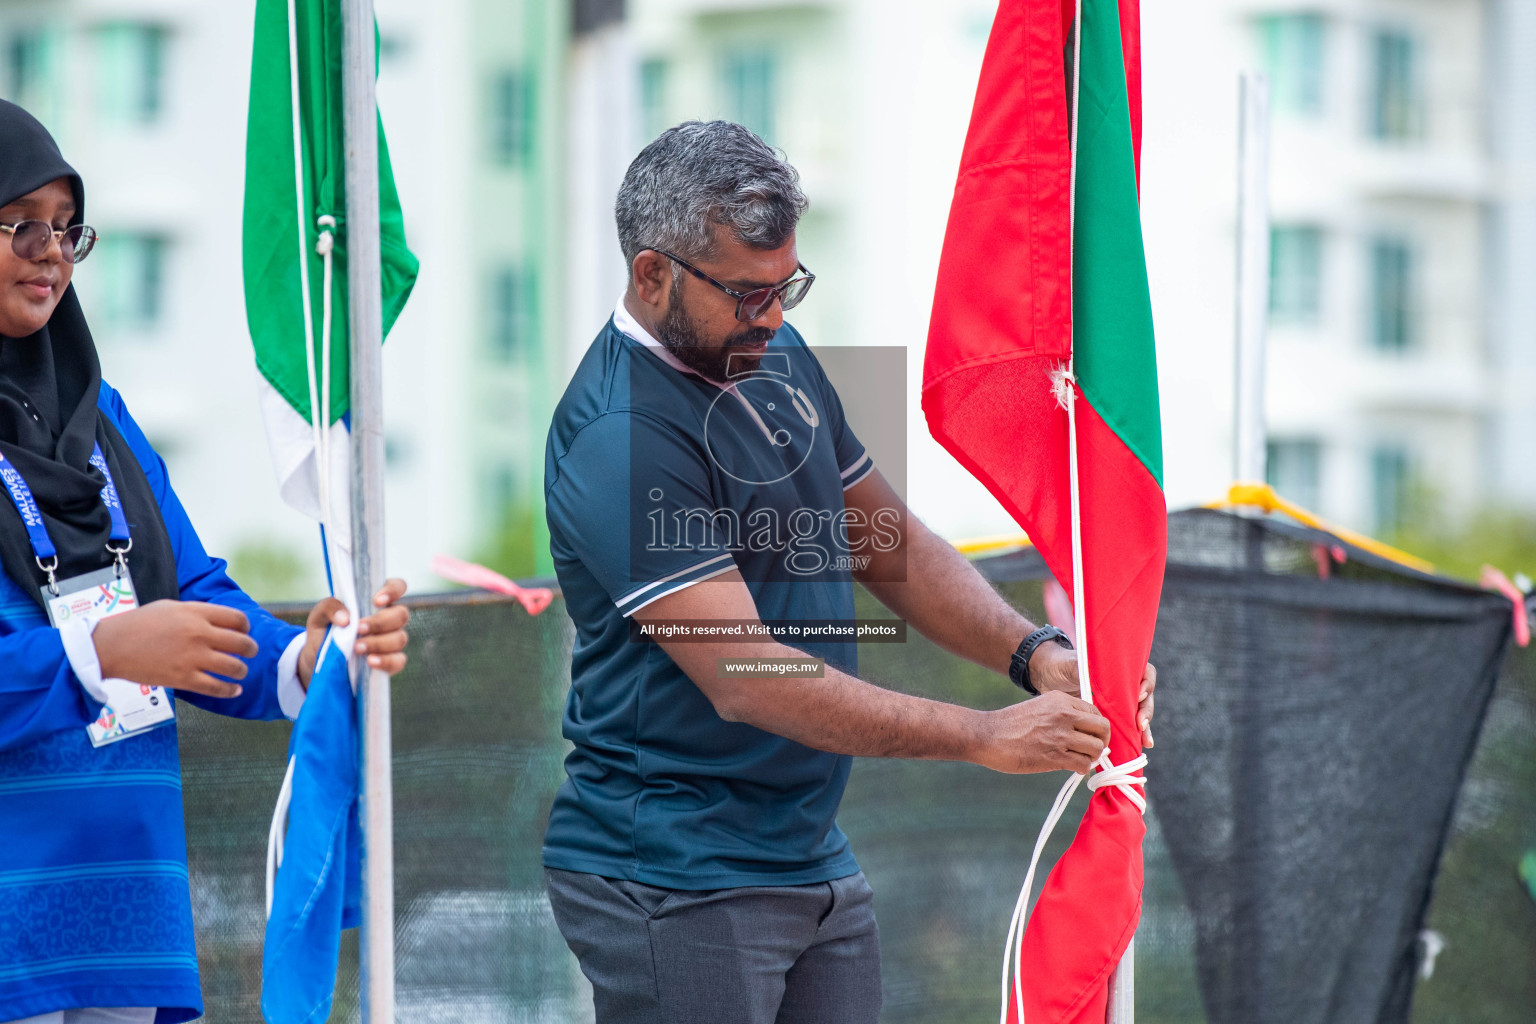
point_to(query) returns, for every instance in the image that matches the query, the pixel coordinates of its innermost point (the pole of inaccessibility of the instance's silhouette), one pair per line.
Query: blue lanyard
(37, 532)
(114, 504)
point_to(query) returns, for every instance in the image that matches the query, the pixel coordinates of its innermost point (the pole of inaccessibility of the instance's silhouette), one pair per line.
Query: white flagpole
(366, 308)
(1248, 440)
(1122, 989)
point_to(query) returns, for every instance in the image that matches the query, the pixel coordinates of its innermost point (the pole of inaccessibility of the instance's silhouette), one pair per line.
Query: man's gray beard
(680, 336)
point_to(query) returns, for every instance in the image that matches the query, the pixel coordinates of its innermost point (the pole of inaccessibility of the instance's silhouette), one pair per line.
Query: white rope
(1121, 776)
(285, 794)
(302, 219)
(1434, 945)
(1110, 777)
(325, 246)
(1013, 946)
(1080, 616)
(275, 833)
(319, 390)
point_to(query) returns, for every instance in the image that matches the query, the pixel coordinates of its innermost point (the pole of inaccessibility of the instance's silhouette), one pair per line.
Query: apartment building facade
(1403, 331)
(148, 99)
(1401, 343)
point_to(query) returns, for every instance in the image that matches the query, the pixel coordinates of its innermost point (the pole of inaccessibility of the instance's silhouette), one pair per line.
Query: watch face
(1018, 669)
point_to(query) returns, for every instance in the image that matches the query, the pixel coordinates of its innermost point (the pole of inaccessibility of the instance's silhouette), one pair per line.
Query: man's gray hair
(700, 174)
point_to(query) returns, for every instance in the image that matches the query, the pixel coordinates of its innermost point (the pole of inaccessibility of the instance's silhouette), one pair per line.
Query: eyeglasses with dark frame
(753, 304)
(30, 239)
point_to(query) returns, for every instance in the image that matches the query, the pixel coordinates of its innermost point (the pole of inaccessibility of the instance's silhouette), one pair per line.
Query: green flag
(275, 213)
(295, 241)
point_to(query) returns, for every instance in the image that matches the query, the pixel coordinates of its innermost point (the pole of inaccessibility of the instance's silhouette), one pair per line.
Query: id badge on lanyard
(130, 708)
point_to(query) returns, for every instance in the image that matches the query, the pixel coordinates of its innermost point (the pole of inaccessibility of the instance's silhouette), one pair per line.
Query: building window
(750, 77)
(1394, 89)
(1390, 469)
(130, 72)
(398, 452)
(33, 73)
(653, 98)
(130, 268)
(512, 119)
(512, 306)
(393, 47)
(1392, 310)
(1293, 56)
(1294, 469)
(1295, 274)
(28, 61)
(502, 490)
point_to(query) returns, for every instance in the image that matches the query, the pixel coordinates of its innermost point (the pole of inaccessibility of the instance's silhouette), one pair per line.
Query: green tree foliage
(1460, 546)
(1482, 908)
(271, 571)
(510, 549)
(1484, 974)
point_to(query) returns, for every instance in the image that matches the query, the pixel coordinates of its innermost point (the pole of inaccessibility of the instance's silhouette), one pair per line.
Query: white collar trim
(631, 328)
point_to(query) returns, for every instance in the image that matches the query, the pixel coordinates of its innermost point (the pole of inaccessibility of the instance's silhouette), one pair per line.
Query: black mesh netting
(1311, 735)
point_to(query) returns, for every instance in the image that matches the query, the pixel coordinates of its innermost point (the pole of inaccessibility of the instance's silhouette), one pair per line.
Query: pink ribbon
(1493, 579)
(533, 599)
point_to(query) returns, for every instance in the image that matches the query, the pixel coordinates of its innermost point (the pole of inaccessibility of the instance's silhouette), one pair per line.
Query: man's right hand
(176, 644)
(1050, 732)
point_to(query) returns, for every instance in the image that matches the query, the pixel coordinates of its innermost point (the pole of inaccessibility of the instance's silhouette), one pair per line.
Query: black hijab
(49, 420)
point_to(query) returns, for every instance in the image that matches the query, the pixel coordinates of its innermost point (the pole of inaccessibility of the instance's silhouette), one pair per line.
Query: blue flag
(316, 893)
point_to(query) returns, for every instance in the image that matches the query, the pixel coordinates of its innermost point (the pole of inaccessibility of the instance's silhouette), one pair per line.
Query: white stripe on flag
(291, 443)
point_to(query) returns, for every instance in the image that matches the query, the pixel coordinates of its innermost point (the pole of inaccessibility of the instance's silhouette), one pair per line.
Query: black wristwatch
(1018, 667)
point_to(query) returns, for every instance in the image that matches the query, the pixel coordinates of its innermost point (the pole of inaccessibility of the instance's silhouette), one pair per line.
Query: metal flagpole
(1122, 989)
(366, 308)
(1249, 456)
(1252, 276)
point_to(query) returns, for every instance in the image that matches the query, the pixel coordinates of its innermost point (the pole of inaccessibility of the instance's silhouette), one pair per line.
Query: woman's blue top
(95, 908)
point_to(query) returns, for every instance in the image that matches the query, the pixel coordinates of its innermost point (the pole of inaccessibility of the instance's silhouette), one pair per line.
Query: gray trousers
(793, 954)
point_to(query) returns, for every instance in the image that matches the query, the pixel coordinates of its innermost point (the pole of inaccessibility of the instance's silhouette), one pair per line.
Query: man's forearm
(935, 589)
(949, 602)
(838, 713)
(845, 715)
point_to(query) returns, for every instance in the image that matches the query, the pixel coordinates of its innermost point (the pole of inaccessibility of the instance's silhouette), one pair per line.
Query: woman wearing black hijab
(95, 915)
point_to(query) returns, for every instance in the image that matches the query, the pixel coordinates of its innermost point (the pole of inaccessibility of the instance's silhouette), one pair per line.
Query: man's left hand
(381, 636)
(1053, 667)
(1144, 706)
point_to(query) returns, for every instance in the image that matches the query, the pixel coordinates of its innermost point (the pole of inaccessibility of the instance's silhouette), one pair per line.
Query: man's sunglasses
(31, 238)
(753, 304)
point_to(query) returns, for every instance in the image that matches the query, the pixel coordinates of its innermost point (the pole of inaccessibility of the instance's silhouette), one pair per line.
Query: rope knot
(1062, 380)
(1120, 776)
(327, 240)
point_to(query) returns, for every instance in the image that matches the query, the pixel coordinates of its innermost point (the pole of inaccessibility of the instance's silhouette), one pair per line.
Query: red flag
(1033, 282)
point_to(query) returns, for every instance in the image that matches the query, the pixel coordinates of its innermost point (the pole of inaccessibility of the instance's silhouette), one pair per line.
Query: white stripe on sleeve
(681, 578)
(684, 585)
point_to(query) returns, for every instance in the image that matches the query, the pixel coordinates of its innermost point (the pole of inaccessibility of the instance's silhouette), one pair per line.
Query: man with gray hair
(709, 510)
